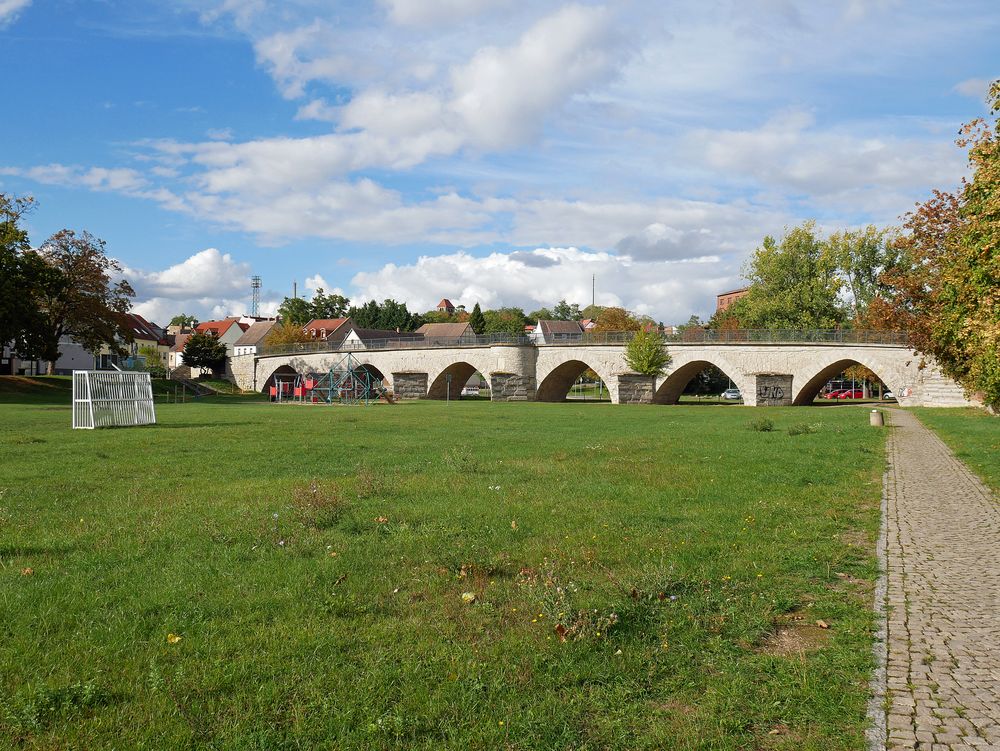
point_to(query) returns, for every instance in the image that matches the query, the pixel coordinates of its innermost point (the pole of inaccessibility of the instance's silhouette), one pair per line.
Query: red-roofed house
(547, 332)
(328, 329)
(445, 306)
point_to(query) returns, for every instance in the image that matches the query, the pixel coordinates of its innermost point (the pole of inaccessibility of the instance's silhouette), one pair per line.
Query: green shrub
(761, 426)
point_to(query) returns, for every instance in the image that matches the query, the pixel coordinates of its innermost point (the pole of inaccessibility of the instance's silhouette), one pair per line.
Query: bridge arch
(460, 373)
(669, 390)
(280, 370)
(555, 386)
(814, 384)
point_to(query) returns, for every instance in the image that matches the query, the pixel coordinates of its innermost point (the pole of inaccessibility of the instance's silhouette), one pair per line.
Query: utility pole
(593, 290)
(295, 289)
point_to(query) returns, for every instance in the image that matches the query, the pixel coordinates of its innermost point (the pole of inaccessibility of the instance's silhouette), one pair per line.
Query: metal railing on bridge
(688, 336)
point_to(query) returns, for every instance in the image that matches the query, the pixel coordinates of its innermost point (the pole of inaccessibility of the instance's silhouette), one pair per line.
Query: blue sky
(482, 150)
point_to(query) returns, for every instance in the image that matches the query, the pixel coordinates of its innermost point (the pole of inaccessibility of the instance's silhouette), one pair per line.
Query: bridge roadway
(766, 374)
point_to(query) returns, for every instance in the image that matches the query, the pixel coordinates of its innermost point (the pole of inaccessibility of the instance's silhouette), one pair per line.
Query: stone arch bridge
(765, 373)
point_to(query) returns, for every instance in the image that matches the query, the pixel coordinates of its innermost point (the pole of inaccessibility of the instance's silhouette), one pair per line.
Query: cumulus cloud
(10, 9)
(976, 88)
(667, 290)
(422, 12)
(93, 178)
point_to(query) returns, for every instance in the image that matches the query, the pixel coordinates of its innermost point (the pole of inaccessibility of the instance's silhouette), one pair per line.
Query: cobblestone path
(943, 599)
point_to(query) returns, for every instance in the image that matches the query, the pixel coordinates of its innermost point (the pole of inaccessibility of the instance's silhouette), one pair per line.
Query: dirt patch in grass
(857, 538)
(794, 637)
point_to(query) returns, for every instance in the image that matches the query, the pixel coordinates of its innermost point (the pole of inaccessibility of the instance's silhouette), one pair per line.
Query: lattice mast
(255, 296)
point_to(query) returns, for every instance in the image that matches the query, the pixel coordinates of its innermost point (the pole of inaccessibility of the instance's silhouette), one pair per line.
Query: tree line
(67, 287)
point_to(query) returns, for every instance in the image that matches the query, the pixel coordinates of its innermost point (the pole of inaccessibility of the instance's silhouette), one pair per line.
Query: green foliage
(617, 319)
(794, 284)
(154, 361)
(646, 353)
(83, 302)
(295, 312)
(762, 425)
(563, 311)
(389, 315)
(204, 350)
(325, 305)
(184, 321)
(504, 321)
(542, 314)
(862, 257)
(477, 321)
(592, 312)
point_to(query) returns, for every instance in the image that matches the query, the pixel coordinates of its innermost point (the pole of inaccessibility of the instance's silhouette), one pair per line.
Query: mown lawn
(429, 576)
(974, 436)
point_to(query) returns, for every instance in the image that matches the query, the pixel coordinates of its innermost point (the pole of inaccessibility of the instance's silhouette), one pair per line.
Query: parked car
(833, 394)
(731, 395)
(851, 394)
(888, 395)
(470, 391)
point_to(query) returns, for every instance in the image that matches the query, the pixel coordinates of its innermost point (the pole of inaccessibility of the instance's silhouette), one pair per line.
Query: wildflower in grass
(173, 638)
(468, 597)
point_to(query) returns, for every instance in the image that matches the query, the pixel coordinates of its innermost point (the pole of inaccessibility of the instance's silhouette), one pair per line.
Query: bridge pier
(512, 387)
(409, 385)
(634, 388)
(771, 390)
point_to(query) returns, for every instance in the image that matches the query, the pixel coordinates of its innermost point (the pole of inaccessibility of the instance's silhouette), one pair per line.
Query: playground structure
(347, 382)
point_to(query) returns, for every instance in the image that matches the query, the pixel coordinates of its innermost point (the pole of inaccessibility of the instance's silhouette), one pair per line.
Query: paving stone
(943, 598)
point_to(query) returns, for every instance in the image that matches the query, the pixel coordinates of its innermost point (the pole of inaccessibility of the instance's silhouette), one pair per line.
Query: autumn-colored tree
(946, 290)
(286, 334)
(616, 319)
(89, 306)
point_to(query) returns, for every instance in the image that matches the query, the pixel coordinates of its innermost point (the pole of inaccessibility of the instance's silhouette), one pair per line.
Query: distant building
(253, 337)
(445, 333)
(445, 306)
(328, 329)
(547, 332)
(356, 338)
(724, 300)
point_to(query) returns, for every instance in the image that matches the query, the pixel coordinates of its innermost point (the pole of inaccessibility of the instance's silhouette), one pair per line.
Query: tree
(862, 257)
(323, 305)
(294, 311)
(542, 314)
(204, 350)
(646, 353)
(286, 334)
(154, 361)
(184, 321)
(794, 284)
(89, 305)
(592, 312)
(390, 315)
(563, 311)
(616, 319)
(504, 321)
(476, 320)
(25, 278)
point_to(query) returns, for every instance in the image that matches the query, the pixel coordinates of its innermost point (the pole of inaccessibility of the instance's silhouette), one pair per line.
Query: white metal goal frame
(107, 398)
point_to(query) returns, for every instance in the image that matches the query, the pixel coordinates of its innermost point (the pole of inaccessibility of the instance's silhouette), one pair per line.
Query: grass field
(428, 576)
(973, 435)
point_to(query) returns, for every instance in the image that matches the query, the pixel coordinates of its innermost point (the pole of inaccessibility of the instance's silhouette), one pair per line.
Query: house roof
(179, 341)
(329, 324)
(733, 291)
(255, 334)
(219, 328)
(446, 330)
(369, 335)
(140, 328)
(560, 327)
(445, 303)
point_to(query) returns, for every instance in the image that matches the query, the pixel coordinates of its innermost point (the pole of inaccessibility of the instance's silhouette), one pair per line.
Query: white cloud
(10, 9)
(202, 281)
(666, 290)
(976, 88)
(422, 12)
(93, 178)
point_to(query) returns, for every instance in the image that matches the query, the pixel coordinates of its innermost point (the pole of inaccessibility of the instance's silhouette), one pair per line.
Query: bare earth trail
(943, 599)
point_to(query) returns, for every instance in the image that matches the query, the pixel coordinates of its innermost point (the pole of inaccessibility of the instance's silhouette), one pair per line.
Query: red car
(833, 394)
(851, 394)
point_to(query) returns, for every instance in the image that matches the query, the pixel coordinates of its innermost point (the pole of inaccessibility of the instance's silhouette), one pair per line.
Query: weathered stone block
(409, 385)
(512, 387)
(634, 388)
(774, 390)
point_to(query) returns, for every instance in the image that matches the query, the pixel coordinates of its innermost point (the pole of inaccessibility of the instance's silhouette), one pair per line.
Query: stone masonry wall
(512, 387)
(634, 388)
(242, 369)
(774, 390)
(409, 385)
